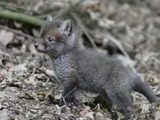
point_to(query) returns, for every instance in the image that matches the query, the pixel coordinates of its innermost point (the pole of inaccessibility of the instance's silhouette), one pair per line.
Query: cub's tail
(138, 85)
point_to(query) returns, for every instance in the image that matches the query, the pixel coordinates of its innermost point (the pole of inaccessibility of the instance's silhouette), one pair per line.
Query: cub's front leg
(70, 93)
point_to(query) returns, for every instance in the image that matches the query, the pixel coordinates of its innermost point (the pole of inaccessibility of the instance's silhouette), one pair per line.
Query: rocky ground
(128, 29)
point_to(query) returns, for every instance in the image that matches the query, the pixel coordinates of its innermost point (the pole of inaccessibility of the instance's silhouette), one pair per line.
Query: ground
(125, 28)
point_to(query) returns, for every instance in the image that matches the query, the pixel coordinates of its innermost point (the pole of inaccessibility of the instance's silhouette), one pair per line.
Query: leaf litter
(28, 85)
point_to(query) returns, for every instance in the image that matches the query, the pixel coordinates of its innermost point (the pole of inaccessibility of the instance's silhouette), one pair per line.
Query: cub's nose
(36, 45)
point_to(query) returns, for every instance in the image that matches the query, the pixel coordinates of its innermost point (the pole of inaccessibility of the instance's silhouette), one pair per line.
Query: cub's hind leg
(122, 98)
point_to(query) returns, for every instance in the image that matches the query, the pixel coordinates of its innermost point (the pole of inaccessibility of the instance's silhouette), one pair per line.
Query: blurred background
(126, 29)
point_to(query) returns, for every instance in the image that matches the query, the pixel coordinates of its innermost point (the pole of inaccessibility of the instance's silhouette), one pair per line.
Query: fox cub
(85, 69)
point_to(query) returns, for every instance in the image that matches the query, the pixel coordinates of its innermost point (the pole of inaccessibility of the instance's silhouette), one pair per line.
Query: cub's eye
(50, 39)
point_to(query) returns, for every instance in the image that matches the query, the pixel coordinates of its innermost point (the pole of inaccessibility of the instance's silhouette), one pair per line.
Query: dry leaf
(6, 37)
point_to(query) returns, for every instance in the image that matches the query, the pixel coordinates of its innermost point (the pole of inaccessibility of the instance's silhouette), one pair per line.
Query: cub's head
(56, 37)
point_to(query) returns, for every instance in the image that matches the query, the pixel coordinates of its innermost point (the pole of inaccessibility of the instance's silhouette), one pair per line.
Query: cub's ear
(66, 27)
(49, 18)
(45, 25)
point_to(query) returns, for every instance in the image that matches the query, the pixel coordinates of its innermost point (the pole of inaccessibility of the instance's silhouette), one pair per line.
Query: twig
(60, 116)
(70, 91)
(67, 9)
(63, 97)
(114, 40)
(17, 32)
(62, 12)
(10, 6)
(83, 28)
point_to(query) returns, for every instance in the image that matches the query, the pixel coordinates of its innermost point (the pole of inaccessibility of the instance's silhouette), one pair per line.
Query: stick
(84, 29)
(21, 17)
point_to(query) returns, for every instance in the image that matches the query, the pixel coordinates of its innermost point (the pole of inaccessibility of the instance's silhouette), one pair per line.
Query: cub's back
(96, 69)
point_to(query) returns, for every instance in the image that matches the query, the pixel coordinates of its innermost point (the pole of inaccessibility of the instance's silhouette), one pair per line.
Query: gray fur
(84, 69)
